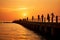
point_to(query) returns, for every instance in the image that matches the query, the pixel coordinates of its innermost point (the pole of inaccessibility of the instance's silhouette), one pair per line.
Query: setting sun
(24, 15)
(23, 11)
(16, 9)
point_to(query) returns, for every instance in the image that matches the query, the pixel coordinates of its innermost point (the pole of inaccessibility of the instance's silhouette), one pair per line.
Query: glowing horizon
(16, 9)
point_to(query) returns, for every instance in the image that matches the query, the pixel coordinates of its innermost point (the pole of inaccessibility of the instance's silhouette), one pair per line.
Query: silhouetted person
(32, 18)
(27, 18)
(48, 18)
(56, 19)
(38, 17)
(42, 17)
(52, 17)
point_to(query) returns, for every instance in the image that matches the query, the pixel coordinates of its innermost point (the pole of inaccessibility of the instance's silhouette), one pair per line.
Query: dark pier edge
(49, 30)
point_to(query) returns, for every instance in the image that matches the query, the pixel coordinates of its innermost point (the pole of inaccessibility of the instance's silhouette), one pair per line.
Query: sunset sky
(16, 9)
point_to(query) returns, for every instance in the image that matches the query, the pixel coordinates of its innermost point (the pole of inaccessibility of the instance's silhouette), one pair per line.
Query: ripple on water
(11, 31)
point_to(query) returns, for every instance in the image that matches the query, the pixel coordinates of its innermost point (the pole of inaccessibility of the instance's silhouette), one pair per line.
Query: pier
(49, 30)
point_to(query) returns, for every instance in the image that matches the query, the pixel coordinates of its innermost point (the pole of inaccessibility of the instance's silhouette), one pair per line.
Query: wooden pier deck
(46, 29)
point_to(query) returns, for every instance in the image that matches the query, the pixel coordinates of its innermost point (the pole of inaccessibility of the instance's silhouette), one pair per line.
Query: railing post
(56, 19)
(44, 19)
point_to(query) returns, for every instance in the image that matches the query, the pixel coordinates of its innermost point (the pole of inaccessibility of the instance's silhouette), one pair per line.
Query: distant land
(5, 22)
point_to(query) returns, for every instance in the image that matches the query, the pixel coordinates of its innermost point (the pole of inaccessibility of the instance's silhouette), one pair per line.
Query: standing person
(32, 18)
(52, 17)
(42, 17)
(27, 18)
(38, 17)
(48, 18)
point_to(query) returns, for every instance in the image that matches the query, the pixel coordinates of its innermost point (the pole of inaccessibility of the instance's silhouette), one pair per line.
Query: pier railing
(45, 20)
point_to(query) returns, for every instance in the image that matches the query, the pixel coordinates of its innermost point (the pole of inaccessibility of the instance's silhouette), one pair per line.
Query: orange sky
(16, 9)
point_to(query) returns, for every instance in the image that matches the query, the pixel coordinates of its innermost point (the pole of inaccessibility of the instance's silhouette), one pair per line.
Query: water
(11, 31)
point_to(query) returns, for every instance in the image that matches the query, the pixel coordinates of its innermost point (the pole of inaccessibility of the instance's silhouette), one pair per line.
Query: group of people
(48, 18)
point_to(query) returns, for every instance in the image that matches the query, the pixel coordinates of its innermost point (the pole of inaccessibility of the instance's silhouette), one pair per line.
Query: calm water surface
(11, 31)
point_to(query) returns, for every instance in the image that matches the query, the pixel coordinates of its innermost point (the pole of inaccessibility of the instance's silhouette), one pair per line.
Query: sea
(12, 31)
